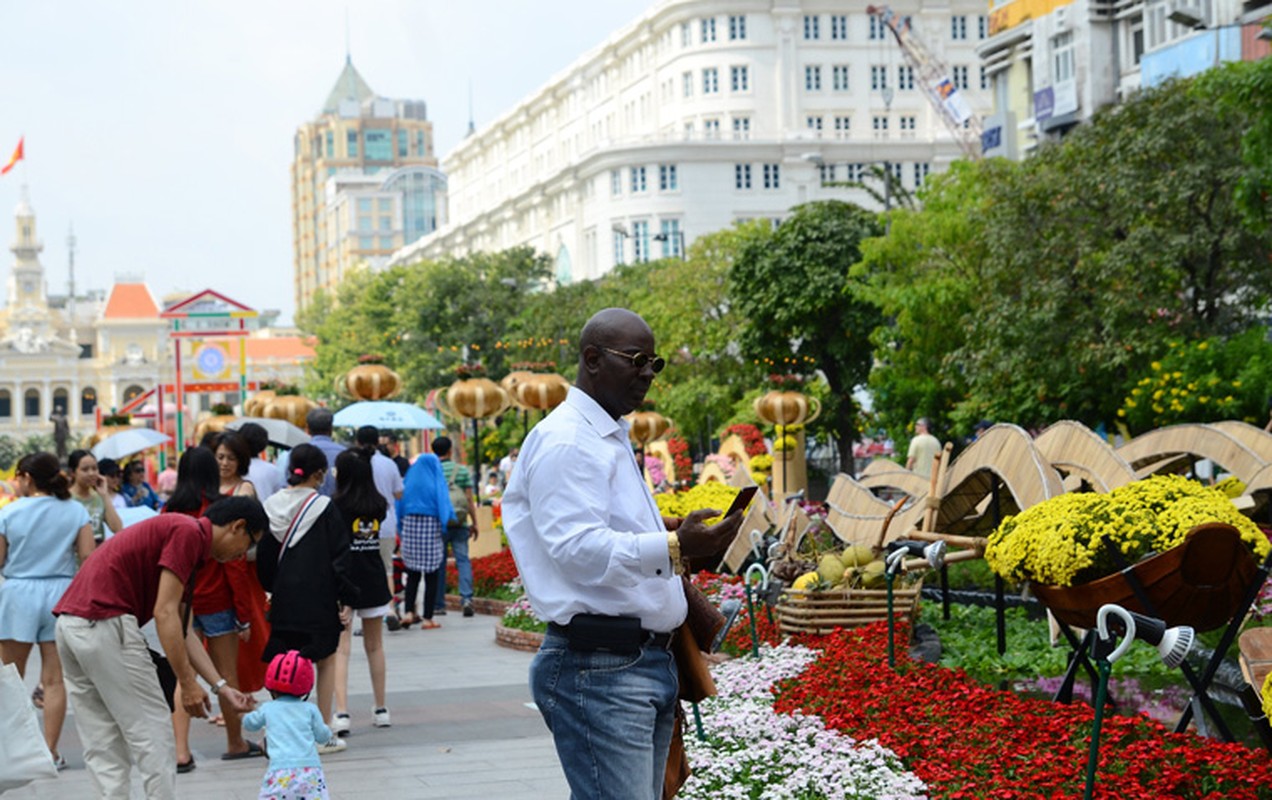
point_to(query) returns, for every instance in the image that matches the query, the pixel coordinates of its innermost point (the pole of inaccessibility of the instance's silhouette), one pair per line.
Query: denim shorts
(217, 624)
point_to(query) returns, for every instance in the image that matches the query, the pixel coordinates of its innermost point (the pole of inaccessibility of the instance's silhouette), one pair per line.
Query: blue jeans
(611, 717)
(457, 538)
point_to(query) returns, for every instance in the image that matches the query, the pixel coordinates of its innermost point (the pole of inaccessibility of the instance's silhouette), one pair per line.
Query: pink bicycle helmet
(290, 673)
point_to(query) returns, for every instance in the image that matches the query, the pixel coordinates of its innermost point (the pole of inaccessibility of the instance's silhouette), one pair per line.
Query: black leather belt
(572, 633)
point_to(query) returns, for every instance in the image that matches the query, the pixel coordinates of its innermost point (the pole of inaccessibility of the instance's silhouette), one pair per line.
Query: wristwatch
(219, 685)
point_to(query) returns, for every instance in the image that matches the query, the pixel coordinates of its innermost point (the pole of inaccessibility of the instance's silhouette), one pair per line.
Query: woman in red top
(213, 604)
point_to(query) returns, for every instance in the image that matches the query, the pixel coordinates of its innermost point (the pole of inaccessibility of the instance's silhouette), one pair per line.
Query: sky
(162, 131)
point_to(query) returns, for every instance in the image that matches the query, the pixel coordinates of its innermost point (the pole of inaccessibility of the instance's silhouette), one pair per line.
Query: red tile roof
(284, 347)
(130, 301)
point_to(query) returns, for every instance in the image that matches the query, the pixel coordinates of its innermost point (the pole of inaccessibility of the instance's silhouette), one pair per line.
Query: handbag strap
(295, 524)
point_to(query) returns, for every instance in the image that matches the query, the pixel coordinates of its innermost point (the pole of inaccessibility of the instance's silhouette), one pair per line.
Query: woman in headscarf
(424, 511)
(305, 564)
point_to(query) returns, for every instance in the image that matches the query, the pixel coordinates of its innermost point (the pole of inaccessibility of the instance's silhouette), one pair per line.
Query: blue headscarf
(424, 491)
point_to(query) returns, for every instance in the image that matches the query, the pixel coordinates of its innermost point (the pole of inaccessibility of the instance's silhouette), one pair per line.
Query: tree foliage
(795, 292)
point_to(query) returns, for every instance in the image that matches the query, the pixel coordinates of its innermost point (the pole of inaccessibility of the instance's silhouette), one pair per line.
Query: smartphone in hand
(742, 500)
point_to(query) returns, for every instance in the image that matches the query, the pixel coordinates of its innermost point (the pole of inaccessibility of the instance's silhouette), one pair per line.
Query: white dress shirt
(585, 531)
(388, 482)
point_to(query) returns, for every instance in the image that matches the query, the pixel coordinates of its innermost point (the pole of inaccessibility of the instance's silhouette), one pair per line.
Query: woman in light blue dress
(41, 534)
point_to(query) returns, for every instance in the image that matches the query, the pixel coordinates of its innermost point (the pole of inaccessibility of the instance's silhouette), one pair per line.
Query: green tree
(794, 289)
(925, 276)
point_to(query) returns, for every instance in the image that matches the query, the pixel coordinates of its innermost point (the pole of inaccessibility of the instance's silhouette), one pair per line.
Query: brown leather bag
(696, 684)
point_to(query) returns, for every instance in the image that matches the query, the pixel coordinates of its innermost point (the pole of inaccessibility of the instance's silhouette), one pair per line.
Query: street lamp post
(666, 236)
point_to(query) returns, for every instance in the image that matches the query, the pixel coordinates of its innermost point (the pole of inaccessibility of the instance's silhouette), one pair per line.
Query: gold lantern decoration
(474, 398)
(370, 380)
(646, 426)
(543, 392)
(291, 407)
(255, 406)
(787, 408)
(512, 380)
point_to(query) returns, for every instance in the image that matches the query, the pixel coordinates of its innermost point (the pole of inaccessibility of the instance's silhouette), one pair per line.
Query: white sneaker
(333, 745)
(340, 724)
(382, 718)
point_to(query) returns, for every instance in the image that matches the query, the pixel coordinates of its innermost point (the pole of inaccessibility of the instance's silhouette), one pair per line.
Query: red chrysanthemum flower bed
(679, 449)
(967, 740)
(752, 438)
(489, 572)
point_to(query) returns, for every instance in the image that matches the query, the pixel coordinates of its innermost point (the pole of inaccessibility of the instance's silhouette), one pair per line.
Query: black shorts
(313, 645)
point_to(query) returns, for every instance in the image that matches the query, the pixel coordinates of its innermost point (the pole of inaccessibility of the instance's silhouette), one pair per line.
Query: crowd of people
(241, 569)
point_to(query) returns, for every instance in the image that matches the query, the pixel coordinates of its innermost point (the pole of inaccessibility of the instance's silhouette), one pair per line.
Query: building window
(710, 80)
(6, 404)
(814, 124)
(616, 182)
(686, 34)
(838, 27)
(839, 77)
(737, 28)
(1062, 70)
(351, 144)
(878, 78)
(366, 242)
(403, 143)
(841, 127)
(711, 128)
(687, 79)
(772, 176)
(960, 76)
(826, 173)
(386, 243)
(880, 126)
(741, 128)
(907, 125)
(667, 181)
(31, 404)
(905, 78)
(876, 28)
(921, 171)
(982, 27)
(379, 144)
(855, 172)
(331, 145)
(708, 30)
(638, 179)
(88, 401)
(741, 176)
(812, 78)
(619, 237)
(984, 79)
(640, 241)
(812, 28)
(365, 205)
(670, 237)
(419, 143)
(739, 79)
(958, 27)
(364, 223)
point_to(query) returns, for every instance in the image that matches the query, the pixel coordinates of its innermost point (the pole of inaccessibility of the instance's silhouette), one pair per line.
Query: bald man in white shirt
(599, 564)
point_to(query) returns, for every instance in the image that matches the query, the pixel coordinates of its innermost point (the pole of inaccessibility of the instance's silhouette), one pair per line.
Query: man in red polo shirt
(143, 572)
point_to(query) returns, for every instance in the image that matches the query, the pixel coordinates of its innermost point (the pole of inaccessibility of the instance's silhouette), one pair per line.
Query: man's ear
(592, 359)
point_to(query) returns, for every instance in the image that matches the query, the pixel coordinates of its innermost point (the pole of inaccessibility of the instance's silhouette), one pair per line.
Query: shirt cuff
(655, 561)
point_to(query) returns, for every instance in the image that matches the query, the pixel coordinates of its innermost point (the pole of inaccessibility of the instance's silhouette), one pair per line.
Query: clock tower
(27, 290)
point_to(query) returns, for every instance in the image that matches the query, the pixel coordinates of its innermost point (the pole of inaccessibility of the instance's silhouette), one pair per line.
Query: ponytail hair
(304, 461)
(46, 472)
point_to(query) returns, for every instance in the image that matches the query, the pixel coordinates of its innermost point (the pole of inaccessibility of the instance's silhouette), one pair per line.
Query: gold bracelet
(673, 552)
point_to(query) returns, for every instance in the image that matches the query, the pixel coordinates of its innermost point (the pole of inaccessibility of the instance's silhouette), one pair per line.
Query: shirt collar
(597, 417)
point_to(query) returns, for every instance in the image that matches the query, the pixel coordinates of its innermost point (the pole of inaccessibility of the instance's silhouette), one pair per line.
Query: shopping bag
(23, 754)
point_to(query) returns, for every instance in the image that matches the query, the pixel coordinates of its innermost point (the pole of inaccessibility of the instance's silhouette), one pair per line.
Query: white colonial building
(699, 114)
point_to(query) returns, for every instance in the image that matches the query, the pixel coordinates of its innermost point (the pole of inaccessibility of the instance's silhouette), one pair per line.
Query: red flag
(17, 156)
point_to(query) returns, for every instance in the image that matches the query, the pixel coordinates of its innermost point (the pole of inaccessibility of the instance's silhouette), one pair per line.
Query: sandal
(185, 766)
(253, 750)
(408, 620)
(428, 625)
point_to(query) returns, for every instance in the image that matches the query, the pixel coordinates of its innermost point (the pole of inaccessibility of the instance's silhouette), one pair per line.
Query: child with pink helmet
(294, 728)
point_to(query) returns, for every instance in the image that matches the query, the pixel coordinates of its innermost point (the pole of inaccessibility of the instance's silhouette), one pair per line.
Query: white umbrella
(123, 444)
(386, 414)
(280, 431)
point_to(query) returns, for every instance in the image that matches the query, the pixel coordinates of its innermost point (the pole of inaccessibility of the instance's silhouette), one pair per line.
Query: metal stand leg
(1077, 658)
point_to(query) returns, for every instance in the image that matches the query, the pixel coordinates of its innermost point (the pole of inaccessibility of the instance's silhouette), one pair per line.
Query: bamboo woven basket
(802, 611)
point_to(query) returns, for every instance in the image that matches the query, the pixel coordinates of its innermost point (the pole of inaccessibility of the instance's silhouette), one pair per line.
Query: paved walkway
(461, 729)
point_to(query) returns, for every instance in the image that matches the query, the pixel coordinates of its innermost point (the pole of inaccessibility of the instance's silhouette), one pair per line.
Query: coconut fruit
(872, 574)
(830, 568)
(857, 555)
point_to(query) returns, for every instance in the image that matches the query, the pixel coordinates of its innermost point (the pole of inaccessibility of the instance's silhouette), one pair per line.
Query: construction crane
(935, 78)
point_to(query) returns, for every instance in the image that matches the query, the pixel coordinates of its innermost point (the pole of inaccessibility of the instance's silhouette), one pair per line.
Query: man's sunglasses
(639, 360)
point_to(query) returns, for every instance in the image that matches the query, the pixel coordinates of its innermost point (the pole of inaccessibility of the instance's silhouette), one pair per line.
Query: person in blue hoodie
(424, 511)
(295, 729)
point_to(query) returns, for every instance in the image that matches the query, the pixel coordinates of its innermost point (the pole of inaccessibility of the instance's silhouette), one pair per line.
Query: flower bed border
(482, 605)
(515, 639)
